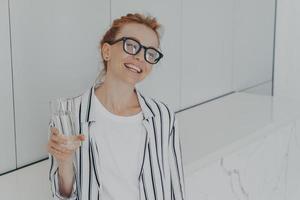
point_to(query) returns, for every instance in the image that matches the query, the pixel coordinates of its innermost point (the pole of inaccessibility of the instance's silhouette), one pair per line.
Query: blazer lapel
(84, 154)
(150, 179)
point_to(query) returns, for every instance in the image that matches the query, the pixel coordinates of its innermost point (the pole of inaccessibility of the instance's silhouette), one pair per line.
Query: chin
(130, 81)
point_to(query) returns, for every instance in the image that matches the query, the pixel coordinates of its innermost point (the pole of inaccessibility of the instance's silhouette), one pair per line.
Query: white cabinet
(253, 46)
(54, 47)
(206, 49)
(164, 81)
(226, 46)
(287, 60)
(7, 134)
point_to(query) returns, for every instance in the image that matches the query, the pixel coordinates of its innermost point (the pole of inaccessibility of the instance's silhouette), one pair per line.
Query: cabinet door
(253, 44)
(207, 50)
(7, 141)
(55, 55)
(287, 60)
(164, 81)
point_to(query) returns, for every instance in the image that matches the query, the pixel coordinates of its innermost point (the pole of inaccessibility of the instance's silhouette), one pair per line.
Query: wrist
(65, 164)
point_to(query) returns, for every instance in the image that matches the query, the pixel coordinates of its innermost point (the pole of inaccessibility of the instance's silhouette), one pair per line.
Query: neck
(117, 96)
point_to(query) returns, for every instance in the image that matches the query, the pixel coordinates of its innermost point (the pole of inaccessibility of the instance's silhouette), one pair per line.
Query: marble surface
(243, 146)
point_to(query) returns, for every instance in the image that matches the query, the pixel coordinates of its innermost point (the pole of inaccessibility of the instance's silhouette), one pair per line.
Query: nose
(140, 55)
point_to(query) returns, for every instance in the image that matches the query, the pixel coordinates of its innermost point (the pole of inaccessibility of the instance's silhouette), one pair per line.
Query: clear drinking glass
(63, 118)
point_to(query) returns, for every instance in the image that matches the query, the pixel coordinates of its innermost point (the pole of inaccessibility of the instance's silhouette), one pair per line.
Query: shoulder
(164, 105)
(158, 105)
(84, 97)
(82, 102)
(161, 109)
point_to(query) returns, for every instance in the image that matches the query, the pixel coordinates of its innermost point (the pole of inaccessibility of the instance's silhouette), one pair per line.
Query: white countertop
(218, 127)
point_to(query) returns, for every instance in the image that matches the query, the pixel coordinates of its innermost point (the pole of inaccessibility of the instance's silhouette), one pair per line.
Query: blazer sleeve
(176, 164)
(53, 177)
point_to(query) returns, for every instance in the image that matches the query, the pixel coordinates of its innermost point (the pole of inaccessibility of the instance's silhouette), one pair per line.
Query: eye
(132, 46)
(152, 55)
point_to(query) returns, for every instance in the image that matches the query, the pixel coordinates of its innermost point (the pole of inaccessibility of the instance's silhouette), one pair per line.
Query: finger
(72, 146)
(68, 142)
(59, 139)
(54, 152)
(54, 130)
(56, 148)
(80, 137)
(59, 152)
(61, 149)
(57, 155)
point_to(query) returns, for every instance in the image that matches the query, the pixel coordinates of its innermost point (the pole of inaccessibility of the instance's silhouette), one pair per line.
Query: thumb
(81, 137)
(54, 130)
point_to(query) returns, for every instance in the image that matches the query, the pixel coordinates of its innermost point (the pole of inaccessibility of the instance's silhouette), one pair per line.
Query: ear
(106, 51)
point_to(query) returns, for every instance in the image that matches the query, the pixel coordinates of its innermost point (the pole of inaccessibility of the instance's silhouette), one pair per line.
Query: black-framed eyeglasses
(133, 47)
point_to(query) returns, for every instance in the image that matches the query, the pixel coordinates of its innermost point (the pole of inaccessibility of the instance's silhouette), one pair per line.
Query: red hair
(117, 24)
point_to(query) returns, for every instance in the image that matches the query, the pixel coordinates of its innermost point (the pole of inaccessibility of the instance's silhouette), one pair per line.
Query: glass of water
(63, 118)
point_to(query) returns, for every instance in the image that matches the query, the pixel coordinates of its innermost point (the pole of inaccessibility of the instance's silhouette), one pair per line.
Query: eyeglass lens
(133, 47)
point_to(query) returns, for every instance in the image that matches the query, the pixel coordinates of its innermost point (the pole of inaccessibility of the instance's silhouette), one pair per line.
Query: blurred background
(213, 49)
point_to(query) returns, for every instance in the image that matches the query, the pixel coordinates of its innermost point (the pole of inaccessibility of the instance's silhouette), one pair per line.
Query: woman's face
(119, 62)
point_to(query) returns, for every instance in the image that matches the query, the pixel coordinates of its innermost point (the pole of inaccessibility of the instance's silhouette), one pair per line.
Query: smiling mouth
(133, 68)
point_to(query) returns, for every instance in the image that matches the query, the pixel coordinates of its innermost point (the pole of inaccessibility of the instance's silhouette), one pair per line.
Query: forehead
(142, 33)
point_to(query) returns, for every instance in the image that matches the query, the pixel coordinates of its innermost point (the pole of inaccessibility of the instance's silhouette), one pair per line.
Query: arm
(176, 165)
(56, 180)
(65, 179)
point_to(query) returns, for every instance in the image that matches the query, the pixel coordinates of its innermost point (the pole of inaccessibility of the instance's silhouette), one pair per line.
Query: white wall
(54, 53)
(287, 59)
(206, 50)
(264, 88)
(7, 141)
(54, 47)
(226, 46)
(253, 38)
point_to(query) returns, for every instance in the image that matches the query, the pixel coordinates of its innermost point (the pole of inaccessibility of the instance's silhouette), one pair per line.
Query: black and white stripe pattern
(161, 174)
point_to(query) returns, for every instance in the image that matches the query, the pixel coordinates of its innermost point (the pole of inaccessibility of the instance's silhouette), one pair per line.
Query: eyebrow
(140, 42)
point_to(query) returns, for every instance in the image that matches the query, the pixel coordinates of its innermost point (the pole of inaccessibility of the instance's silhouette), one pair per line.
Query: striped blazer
(161, 174)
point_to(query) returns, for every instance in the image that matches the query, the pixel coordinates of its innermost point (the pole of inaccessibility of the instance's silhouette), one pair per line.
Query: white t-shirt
(120, 141)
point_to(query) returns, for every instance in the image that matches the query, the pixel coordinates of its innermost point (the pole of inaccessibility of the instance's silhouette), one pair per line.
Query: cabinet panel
(227, 45)
(7, 141)
(253, 43)
(287, 60)
(207, 50)
(55, 55)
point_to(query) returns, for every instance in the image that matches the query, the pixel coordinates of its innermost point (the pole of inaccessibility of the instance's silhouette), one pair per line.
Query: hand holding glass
(63, 118)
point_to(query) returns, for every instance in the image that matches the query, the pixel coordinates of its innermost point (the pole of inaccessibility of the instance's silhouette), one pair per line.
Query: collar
(88, 105)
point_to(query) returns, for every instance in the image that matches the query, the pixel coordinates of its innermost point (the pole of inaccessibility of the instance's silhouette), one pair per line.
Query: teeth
(133, 70)
(131, 66)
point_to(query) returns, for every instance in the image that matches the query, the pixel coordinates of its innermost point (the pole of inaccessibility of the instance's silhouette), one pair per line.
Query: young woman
(131, 146)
